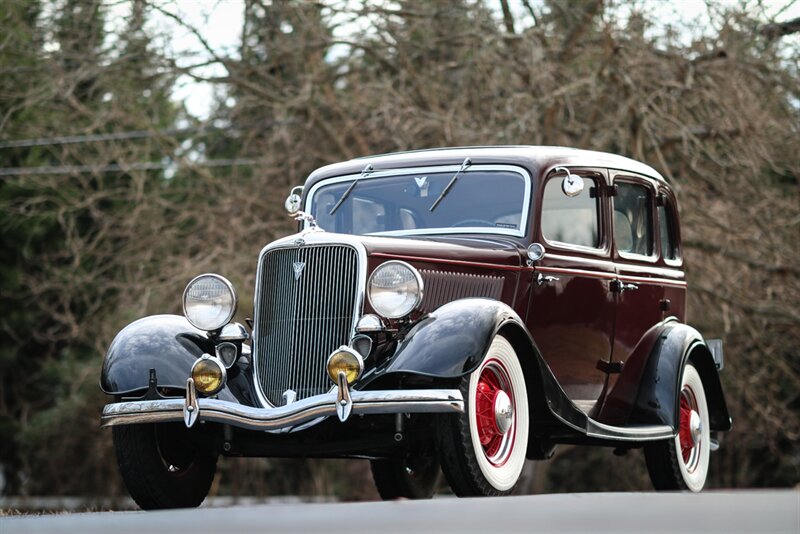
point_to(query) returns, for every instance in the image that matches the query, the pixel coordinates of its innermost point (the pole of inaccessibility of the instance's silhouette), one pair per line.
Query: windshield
(483, 199)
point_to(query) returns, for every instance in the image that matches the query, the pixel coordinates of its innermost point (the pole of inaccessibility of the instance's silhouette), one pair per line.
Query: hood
(495, 250)
(490, 250)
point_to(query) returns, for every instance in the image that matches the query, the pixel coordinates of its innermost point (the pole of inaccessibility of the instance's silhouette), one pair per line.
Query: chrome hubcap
(503, 412)
(695, 426)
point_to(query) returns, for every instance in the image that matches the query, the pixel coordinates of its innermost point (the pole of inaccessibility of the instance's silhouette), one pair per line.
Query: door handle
(542, 279)
(619, 286)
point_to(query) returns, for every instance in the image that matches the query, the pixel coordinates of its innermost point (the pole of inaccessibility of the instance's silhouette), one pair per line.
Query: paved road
(750, 511)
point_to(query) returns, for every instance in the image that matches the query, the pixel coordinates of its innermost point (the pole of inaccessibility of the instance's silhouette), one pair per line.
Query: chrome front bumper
(284, 417)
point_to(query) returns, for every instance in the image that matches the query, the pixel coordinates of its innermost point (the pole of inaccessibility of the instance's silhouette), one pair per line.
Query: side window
(572, 220)
(666, 228)
(633, 219)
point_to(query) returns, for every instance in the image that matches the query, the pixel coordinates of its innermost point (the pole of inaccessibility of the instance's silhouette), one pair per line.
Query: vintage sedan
(459, 309)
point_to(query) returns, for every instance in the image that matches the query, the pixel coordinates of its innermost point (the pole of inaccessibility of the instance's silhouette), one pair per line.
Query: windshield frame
(381, 173)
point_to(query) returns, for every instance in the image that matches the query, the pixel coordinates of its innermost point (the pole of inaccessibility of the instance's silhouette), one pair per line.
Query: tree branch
(776, 30)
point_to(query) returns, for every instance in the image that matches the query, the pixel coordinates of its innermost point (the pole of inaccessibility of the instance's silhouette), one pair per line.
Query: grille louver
(442, 287)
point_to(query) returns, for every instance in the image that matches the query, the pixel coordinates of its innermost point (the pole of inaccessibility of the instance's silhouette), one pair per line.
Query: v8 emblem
(298, 267)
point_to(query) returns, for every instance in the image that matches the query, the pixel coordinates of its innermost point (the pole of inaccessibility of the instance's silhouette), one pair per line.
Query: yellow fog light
(345, 360)
(208, 374)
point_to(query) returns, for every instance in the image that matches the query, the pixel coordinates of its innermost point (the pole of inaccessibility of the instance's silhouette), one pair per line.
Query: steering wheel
(473, 222)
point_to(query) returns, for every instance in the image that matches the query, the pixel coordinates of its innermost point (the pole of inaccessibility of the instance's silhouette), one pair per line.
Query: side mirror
(294, 199)
(572, 185)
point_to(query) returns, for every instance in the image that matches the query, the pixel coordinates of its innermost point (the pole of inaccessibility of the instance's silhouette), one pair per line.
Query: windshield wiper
(368, 169)
(466, 163)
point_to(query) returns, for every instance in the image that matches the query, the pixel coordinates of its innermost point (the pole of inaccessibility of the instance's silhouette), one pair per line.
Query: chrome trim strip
(609, 275)
(378, 173)
(308, 237)
(601, 274)
(285, 417)
(445, 231)
(426, 259)
(578, 272)
(661, 272)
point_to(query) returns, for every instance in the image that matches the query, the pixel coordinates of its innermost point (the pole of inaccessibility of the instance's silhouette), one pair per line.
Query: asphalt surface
(744, 511)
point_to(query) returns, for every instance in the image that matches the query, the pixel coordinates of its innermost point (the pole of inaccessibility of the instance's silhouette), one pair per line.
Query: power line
(114, 136)
(126, 167)
(132, 134)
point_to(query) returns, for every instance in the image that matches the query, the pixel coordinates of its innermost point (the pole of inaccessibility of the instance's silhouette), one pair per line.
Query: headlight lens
(395, 289)
(209, 302)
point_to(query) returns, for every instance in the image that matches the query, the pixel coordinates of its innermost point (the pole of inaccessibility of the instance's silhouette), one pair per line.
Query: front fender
(167, 343)
(451, 341)
(170, 345)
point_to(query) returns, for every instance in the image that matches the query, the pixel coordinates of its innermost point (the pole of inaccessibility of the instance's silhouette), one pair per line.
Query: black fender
(451, 342)
(170, 345)
(658, 398)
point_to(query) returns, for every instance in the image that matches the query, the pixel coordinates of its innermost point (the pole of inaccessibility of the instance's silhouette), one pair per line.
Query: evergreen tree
(68, 237)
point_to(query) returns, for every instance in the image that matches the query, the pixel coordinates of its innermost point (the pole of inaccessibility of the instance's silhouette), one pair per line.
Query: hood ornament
(307, 217)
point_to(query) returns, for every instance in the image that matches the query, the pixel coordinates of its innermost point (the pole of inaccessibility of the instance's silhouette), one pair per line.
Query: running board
(568, 413)
(595, 429)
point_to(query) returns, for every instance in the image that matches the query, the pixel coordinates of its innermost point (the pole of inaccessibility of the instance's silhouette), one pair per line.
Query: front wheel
(162, 467)
(682, 463)
(482, 451)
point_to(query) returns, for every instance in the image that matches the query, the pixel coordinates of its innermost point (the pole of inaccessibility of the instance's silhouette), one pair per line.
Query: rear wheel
(162, 467)
(412, 477)
(482, 451)
(682, 463)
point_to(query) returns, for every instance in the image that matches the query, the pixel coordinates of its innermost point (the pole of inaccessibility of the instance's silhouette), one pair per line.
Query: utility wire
(114, 136)
(134, 134)
(126, 167)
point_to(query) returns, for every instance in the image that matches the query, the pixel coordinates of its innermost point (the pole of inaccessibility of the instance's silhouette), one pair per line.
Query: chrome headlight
(395, 289)
(209, 302)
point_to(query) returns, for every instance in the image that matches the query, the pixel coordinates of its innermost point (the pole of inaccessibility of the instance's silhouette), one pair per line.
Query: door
(649, 288)
(572, 309)
(639, 288)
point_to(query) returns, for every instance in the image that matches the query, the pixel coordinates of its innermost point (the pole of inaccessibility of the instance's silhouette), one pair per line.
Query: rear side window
(633, 219)
(571, 220)
(666, 227)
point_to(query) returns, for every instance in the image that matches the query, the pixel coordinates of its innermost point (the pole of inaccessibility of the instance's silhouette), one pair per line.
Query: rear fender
(659, 390)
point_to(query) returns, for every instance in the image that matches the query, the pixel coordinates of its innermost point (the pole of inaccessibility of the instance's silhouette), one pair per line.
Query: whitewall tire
(483, 449)
(682, 462)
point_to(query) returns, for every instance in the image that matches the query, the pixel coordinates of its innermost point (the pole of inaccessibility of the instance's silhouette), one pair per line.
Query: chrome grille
(301, 320)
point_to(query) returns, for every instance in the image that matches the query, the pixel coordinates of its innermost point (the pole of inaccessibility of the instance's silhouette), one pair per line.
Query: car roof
(535, 157)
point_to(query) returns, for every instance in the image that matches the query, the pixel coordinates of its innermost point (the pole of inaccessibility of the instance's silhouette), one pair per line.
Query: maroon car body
(523, 280)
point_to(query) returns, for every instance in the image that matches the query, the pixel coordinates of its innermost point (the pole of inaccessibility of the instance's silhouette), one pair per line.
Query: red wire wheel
(681, 463)
(495, 412)
(690, 433)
